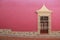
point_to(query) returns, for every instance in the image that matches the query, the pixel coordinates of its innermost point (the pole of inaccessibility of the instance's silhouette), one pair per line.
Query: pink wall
(20, 15)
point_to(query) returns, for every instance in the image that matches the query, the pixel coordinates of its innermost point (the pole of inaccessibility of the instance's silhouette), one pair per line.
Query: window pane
(44, 24)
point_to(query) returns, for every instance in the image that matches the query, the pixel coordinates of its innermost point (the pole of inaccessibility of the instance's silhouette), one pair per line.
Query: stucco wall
(20, 15)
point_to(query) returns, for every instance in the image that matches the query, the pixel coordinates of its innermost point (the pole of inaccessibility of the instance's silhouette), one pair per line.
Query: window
(44, 24)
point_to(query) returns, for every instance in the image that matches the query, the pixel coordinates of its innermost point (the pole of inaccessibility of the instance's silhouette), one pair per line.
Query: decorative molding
(9, 32)
(44, 12)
